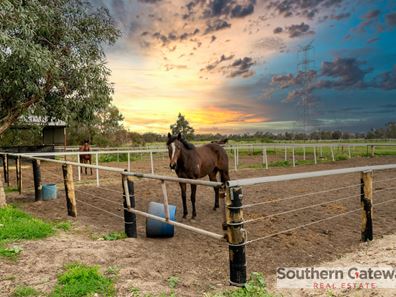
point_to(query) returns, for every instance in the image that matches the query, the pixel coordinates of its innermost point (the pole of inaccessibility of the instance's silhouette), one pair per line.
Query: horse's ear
(179, 136)
(169, 135)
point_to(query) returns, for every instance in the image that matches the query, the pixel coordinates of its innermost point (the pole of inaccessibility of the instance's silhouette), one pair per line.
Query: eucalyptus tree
(52, 60)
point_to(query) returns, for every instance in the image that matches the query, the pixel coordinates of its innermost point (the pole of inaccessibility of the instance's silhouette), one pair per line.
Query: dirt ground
(201, 263)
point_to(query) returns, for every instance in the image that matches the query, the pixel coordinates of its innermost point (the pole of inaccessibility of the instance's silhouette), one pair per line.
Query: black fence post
(236, 236)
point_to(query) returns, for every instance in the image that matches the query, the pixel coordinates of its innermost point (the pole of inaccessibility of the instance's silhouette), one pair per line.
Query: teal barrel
(49, 192)
(156, 228)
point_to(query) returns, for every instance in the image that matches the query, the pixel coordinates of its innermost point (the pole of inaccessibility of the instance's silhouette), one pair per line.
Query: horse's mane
(185, 143)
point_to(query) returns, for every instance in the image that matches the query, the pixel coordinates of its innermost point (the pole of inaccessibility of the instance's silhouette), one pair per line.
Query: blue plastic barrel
(49, 192)
(156, 228)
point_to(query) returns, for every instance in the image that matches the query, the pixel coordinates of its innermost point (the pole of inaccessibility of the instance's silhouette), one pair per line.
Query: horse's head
(174, 148)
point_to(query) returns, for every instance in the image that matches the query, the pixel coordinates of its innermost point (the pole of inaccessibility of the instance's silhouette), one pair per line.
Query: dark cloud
(386, 80)
(219, 9)
(213, 65)
(241, 67)
(298, 30)
(340, 16)
(150, 1)
(372, 14)
(372, 40)
(391, 19)
(278, 30)
(240, 11)
(343, 72)
(370, 18)
(227, 8)
(172, 36)
(306, 8)
(288, 80)
(216, 25)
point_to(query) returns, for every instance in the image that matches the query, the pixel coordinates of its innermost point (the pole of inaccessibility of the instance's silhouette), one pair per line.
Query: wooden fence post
(69, 190)
(236, 236)
(332, 153)
(37, 179)
(18, 170)
(366, 201)
(129, 202)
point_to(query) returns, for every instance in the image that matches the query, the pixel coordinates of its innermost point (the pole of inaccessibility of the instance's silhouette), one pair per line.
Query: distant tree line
(108, 131)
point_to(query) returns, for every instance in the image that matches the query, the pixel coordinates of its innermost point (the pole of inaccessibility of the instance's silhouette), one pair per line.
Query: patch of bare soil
(200, 262)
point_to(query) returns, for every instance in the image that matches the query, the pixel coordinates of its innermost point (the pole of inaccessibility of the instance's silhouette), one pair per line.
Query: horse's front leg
(184, 199)
(212, 177)
(86, 169)
(216, 205)
(193, 192)
(90, 163)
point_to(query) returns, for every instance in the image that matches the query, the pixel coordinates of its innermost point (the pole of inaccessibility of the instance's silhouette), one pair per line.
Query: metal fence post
(129, 202)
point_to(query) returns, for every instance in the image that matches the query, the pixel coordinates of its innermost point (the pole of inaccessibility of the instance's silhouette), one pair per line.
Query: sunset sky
(231, 66)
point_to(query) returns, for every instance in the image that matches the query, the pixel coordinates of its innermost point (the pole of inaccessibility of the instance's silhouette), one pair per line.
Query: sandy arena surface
(201, 263)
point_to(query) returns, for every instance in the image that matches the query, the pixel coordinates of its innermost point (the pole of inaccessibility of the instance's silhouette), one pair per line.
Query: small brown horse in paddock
(196, 162)
(85, 159)
(220, 142)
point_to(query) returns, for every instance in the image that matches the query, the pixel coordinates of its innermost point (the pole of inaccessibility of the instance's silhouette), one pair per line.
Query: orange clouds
(213, 115)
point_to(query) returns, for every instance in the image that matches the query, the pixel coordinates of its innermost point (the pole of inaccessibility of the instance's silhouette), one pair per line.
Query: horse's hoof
(214, 208)
(185, 216)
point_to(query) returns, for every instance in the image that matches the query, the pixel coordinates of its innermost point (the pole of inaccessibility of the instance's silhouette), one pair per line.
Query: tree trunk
(2, 194)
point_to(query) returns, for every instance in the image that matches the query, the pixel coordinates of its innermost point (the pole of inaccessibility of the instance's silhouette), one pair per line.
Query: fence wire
(98, 208)
(299, 196)
(312, 223)
(301, 208)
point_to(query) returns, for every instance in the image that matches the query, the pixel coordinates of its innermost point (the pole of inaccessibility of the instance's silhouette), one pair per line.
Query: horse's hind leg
(213, 178)
(184, 199)
(193, 192)
(90, 163)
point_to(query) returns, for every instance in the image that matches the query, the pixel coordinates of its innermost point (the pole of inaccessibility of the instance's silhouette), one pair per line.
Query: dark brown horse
(85, 158)
(196, 162)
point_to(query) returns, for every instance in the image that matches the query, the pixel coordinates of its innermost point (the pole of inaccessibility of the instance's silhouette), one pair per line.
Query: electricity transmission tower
(305, 69)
